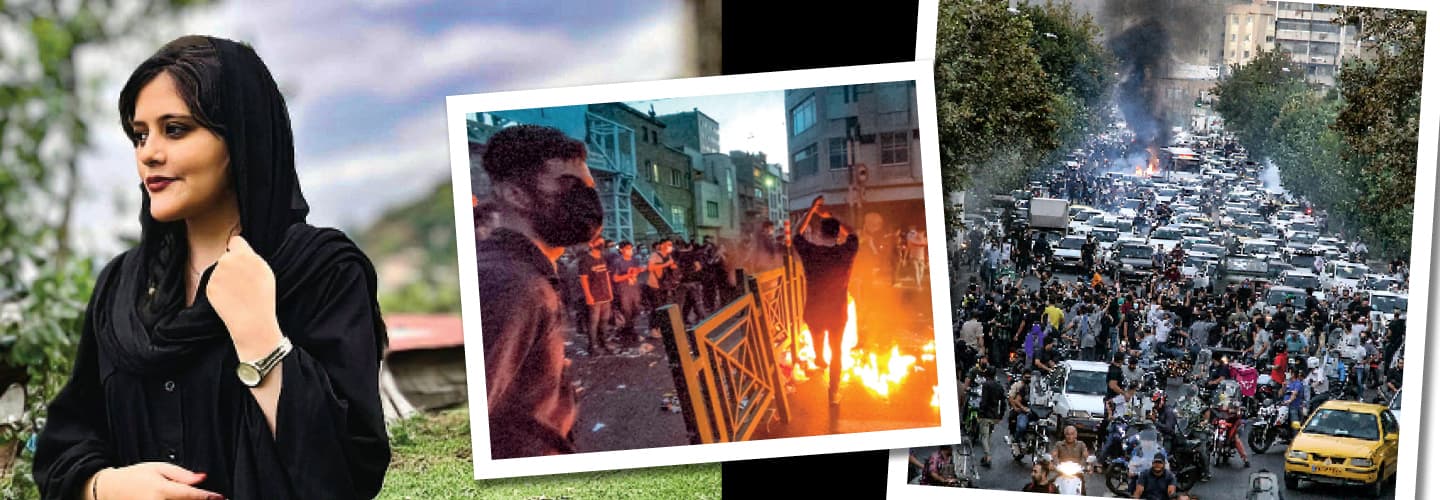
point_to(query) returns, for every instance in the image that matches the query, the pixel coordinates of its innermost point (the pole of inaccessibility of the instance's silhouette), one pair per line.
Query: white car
(1384, 304)
(1303, 279)
(1345, 275)
(1067, 252)
(1081, 399)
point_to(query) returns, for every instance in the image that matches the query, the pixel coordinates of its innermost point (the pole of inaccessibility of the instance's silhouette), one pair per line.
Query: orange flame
(880, 373)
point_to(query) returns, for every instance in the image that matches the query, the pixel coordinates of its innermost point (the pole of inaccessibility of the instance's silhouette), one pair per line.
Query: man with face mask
(546, 200)
(625, 272)
(660, 283)
(595, 281)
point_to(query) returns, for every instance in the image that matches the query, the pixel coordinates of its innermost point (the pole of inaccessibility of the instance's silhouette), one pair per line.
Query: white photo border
(486, 468)
(1421, 254)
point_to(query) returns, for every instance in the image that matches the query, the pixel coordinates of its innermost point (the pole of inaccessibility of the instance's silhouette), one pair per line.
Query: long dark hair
(228, 90)
(194, 65)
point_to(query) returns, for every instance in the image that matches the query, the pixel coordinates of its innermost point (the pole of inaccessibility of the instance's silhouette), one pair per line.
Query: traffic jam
(1170, 308)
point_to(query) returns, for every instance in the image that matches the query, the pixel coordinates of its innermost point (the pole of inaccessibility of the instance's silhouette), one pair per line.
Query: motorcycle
(1034, 441)
(1271, 424)
(1072, 477)
(1222, 438)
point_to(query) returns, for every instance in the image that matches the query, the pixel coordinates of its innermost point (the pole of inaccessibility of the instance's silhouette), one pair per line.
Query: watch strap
(264, 365)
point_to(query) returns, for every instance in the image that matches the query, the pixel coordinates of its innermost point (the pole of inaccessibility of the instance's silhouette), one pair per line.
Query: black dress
(154, 379)
(329, 440)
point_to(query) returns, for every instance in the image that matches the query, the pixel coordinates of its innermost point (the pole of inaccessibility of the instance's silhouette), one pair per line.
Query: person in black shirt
(827, 275)
(595, 283)
(1159, 484)
(549, 202)
(1115, 376)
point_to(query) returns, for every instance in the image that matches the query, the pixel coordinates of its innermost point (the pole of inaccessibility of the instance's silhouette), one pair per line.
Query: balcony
(610, 145)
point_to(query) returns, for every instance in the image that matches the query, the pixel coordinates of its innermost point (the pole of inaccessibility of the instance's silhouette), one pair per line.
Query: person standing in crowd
(827, 266)
(595, 282)
(663, 275)
(625, 272)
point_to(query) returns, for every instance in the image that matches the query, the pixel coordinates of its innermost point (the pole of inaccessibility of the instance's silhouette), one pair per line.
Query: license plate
(1326, 469)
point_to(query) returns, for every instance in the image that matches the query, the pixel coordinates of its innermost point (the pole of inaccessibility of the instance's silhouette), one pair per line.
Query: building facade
(1314, 41)
(1249, 31)
(693, 129)
(716, 211)
(836, 135)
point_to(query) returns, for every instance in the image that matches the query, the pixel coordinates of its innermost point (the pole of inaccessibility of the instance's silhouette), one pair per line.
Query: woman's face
(183, 165)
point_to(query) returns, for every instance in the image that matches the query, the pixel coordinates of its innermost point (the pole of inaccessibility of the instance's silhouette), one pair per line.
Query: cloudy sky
(748, 122)
(365, 84)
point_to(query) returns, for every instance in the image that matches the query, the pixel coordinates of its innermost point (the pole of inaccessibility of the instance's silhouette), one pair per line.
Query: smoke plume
(1149, 38)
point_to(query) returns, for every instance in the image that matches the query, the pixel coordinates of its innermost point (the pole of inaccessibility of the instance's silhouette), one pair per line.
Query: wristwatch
(251, 373)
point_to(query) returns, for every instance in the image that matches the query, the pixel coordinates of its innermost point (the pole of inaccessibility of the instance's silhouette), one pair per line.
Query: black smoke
(1150, 37)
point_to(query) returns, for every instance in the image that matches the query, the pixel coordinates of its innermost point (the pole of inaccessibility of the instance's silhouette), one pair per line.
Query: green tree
(1080, 70)
(992, 95)
(1380, 121)
(46, 109)
(1251, 97)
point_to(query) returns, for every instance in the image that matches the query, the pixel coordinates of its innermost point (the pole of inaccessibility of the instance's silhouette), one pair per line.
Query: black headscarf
(142, 318)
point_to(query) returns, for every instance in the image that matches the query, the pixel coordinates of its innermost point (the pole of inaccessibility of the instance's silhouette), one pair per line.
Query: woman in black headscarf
(236, 350)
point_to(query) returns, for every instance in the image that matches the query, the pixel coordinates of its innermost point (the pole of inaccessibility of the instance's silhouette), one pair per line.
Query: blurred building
(761, 189)
(1314, 41)
(1183, 94)
(1249, 31)
(716, 202)
(878, 122)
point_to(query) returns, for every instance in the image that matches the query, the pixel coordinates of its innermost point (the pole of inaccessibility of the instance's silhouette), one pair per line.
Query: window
(806, 161)
(676, 179)
(839, 160)
(1232, 37)
(845, 94)
(1247, 37)
(712, 210)
(895, 147)
(1247, 54)
(756, 173)
(654, 172)
(729, 183)
(677, 217)
(803, 116)
(759, 194)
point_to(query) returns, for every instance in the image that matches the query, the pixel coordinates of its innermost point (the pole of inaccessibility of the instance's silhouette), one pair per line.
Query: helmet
(1313, 362)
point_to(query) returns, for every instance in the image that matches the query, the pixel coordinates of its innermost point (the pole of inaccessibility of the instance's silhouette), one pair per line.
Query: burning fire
(880, 373)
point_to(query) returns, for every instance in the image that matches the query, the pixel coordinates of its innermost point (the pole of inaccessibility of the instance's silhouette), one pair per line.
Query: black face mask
(569, 217)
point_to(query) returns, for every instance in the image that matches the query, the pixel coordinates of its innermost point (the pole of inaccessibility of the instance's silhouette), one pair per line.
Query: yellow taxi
(1345, 443)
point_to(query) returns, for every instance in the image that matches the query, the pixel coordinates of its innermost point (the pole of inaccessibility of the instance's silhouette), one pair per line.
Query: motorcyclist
(1317, 382)
(1166, 422)
(1232, 412)
(1296, 394)
(940, 468)
(1019, 410)
(1159, 484)
(1219, 371)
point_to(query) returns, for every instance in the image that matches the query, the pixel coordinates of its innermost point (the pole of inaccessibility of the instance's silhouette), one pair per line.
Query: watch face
(248, 374)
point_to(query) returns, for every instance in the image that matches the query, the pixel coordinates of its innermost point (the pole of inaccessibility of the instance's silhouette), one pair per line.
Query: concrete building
(1249, 31)
(876, 122)
(661, 175)
(693, 129)
(715, 212)
(760, 189)
(1319, 45)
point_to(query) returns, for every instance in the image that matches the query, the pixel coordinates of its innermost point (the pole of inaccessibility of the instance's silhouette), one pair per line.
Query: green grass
(431, 460)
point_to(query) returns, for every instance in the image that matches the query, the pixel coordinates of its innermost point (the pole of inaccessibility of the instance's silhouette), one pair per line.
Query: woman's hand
(242, 291)
(149, 480)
